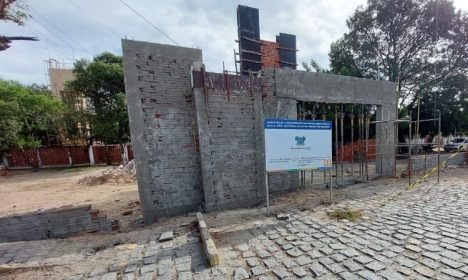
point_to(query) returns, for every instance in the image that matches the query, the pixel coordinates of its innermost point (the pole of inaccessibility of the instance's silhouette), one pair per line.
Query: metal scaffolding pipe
(351, 116)
(367, 145)
(336, 145)
(342, 140)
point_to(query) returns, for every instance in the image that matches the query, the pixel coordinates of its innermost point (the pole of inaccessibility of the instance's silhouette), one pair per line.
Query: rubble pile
(122, 174)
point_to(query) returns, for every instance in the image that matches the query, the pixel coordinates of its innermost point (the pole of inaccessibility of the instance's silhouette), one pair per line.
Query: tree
(313, 66)
(27, 115)
(101, 81)
(14, 11)
(342, 61)
(421, 45)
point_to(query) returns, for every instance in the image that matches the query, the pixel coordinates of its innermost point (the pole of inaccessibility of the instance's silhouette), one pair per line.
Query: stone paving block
(413, 248)
(263, 254)
(391, 275)
(452, 263)
(258, 270)
(450, 254)
(240, 273)
(248, 254)
(148, 268)
(288, 262)
(306, 248)
(406, 262)
(98, 271)
(186, 275)
(299, 272)
(352, 265)
(431, 248)
(294, 252)
(326, 261)
(337, 246)
(405, 271)
(317, 269)
(326, 250)
(314, 254)
(271, 263)
(366, 274)
(338, 257)
(454, 273)
(336, 268)
(146, 276)
(349, 276)
(303, 260)
(281, 272)
(363, 259)
(429, 263)
(128, 276)
(425, 271)
(109, 276)
(463, 245)
(181, 267)
(252, 261)
(375, 266)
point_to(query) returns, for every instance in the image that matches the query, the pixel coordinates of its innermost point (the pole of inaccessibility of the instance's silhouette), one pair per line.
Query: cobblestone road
(422, 234)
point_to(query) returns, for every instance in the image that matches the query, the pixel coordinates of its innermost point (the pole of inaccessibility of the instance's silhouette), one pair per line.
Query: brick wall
(54, 223)
(231, 176)
(163, 127)
(270, 54)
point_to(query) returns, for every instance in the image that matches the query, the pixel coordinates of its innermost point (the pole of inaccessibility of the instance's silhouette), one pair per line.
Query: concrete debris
(122, 174)
(166, 236)
(283, 216)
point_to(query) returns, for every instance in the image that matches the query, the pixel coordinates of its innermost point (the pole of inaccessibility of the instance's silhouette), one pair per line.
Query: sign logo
(300, 140)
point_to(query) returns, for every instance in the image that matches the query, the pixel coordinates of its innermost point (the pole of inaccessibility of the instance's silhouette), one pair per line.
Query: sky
(75, 29)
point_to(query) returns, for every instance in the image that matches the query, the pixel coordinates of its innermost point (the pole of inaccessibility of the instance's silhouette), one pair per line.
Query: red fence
(348, 150)
(67, 156)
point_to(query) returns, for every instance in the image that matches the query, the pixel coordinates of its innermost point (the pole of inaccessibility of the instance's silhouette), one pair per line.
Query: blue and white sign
(297, 144)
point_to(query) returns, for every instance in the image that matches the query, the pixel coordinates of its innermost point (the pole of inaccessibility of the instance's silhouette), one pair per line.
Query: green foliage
(341, 60)
(101, 81)
(313, 66)
(13, 10)
(422, 45)
(27, 114)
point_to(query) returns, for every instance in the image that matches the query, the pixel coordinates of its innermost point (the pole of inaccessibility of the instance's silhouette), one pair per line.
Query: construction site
(196, 199)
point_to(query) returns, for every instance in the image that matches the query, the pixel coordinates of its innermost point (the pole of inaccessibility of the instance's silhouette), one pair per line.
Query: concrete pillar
(385, 140)
(91, 155)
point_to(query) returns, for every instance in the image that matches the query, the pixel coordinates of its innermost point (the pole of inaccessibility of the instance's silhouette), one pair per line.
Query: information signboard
(297, 144)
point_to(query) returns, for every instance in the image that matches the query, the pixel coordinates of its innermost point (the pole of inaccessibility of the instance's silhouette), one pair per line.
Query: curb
(208, 244)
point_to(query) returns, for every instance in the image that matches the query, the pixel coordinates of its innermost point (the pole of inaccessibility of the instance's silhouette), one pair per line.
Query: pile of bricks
(54, 223)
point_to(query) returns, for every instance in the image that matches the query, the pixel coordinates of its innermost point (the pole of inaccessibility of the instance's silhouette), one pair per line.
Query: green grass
(348, 214)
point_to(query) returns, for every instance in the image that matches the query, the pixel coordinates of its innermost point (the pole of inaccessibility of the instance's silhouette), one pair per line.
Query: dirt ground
(26, 191)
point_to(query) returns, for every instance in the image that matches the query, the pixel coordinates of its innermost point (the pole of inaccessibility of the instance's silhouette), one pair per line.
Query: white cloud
(207, 24)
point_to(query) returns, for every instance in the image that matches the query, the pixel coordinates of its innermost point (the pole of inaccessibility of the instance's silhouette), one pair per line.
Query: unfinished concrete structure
(198, 136)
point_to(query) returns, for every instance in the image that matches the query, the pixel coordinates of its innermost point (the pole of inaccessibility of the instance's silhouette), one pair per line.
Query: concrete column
(206, 159)
(5, 161)
(91, 155)
(385, 159)
(260, 144)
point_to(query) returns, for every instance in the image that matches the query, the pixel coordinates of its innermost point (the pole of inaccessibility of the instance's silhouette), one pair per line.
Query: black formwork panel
(248, 27)
(287, 51)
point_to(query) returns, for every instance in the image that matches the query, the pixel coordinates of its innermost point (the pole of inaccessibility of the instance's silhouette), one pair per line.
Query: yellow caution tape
(434, 169)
